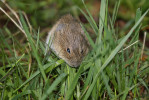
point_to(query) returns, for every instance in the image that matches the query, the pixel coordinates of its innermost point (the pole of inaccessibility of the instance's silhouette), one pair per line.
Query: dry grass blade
(15, 14)
(13, 20)
(129, 46)
(30, 27)
(143, 45)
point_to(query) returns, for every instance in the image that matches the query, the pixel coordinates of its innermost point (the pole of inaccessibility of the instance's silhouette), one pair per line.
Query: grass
(109, 71)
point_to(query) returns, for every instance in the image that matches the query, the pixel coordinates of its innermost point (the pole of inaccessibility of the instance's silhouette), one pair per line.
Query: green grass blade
(94, 23)
(54, 84)
(12, 68)
(142, 81)
(38, 72)
(138, 14)
(4, 41)
(21, 94)
(37, 43)
(33, 46)
(101, 18)
(125, 93)
(89, 20)
(113, 53)
(115, 11)
(106, 81)
(88, 37)
(74, 82)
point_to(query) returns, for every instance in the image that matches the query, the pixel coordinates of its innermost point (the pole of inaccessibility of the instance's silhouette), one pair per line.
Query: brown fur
(67, 33)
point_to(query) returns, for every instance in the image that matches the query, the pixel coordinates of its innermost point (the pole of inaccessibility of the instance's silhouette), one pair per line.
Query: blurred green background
(44, 13)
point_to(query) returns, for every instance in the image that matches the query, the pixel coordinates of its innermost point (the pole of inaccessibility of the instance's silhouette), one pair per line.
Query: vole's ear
(60, 27)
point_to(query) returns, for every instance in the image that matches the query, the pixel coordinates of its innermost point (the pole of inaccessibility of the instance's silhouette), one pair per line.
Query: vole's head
(70, 42)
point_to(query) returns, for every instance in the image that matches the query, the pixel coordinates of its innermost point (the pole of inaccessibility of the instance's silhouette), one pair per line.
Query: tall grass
(109, 71)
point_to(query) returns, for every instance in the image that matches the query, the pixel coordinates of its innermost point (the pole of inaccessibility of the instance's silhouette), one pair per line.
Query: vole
(67, 39)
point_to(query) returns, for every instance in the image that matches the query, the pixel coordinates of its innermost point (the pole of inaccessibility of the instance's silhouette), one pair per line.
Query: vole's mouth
(76, 64)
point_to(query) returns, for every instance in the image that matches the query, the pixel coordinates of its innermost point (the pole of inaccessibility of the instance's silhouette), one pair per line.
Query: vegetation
(117, 67)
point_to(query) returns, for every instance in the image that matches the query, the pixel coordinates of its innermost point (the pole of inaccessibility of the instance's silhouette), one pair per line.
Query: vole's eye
(68, 50)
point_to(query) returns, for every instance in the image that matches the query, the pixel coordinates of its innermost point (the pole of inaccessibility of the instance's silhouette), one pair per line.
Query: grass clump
(108, 72)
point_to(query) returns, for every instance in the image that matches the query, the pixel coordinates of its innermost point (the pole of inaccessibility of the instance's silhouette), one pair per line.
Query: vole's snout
(75, 64)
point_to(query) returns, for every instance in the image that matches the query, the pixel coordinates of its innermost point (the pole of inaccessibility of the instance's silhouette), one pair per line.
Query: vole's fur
(68, 41)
